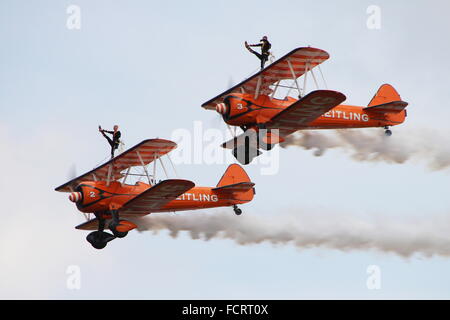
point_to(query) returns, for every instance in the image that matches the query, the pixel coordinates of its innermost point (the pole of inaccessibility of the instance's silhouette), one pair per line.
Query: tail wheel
(237, 211)
(388, 132)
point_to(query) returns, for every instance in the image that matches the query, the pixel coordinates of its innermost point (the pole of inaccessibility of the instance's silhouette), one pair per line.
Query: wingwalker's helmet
(264, 37)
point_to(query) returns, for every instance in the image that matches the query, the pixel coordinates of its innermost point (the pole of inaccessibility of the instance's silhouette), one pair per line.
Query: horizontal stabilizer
(394, 106)
(237, 187)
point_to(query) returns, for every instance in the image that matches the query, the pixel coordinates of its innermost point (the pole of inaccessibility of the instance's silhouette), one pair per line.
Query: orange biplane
(252, 105)
(104, 192)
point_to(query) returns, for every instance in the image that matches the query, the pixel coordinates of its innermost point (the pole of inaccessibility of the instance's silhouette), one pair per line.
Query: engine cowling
(89, 195)
(234, 107)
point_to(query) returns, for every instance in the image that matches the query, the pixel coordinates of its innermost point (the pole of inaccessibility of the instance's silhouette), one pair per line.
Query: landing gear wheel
(117, 234)
(388, 132)
(99, 239)
(237, 211)
(99, 244)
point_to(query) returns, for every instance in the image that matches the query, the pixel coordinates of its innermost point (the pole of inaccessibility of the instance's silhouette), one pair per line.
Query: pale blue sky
(148, 66)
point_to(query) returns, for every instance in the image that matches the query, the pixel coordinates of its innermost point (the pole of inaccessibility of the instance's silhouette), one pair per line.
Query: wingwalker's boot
(248, 47)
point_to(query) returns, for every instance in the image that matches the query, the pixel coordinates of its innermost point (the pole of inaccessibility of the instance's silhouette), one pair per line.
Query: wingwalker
(267, 120)
(104, 192)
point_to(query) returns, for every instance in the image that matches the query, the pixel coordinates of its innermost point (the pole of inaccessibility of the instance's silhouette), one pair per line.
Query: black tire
(388, 133)
(119, 234)
(97, 240)
(238, 211)
(116, 233)
(99, 244)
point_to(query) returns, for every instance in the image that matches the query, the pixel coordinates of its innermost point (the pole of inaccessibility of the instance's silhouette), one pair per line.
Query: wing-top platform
(140, 155)
(291, 66)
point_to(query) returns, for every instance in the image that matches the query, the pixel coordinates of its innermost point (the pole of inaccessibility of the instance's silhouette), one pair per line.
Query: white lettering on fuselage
(339, 114)
(199, 197)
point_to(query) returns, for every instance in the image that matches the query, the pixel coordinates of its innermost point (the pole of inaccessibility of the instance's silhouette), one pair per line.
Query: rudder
(386, 100)
(234, 174)
(385, 94)
(236, 183)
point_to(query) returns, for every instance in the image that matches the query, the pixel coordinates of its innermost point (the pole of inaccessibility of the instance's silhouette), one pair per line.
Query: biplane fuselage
(97, 196)
(244, 110)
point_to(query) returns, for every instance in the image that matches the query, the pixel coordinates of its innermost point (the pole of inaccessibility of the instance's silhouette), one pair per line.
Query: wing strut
(173, 167)
(275, 89)
(306, 76)
(164, 168)
(314, 78)
(323, 78)
(126, 175)
(258, 86)
(154, 167)
(143, 166)
(294, 77)
(108, 179)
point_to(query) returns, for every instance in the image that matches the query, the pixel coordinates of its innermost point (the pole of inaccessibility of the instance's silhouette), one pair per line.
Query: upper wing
(141, 154)
(305, 110)
(291, 66)
(156, 197)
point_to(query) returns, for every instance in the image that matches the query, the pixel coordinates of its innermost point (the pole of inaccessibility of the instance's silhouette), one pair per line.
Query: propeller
(217, 118)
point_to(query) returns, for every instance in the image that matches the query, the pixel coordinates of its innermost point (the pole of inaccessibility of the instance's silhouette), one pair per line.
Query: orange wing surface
(156, 197)
(296, 116)
(305, 110)
(141, 154)
(291, 66)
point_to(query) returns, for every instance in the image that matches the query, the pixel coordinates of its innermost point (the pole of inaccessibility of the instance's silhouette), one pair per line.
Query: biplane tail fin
(234, 174)
(386, 100)
(236, 181)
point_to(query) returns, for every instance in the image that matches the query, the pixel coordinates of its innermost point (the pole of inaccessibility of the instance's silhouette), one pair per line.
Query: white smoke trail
(372, 145)
(427, 236)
